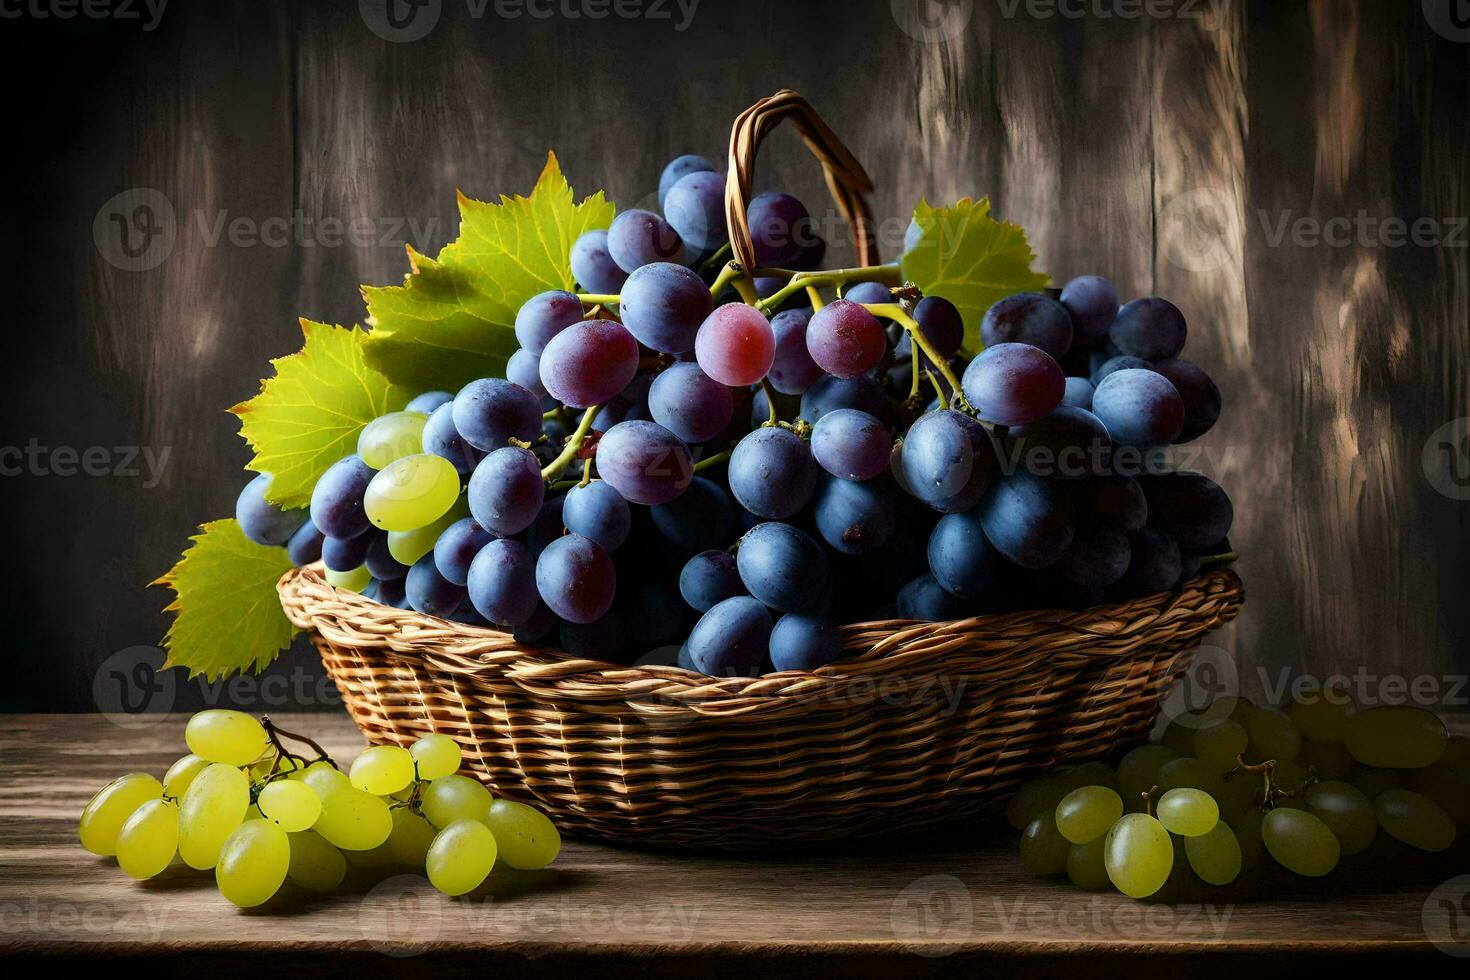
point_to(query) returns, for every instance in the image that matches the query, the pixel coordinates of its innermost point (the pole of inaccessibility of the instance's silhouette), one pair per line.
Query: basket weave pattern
(919, 724)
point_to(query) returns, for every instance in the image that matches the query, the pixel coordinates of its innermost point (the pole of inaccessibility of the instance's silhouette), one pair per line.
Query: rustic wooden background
(1162, 151)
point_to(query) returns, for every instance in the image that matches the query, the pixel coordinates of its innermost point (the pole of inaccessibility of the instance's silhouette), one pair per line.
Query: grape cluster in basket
(258, 814)
(1311, 785)
(727, 467)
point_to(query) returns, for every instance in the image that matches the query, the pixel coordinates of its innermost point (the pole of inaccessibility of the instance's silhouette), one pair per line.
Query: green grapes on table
(257, 814)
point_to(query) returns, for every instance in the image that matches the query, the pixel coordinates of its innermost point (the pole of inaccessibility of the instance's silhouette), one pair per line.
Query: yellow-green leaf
(972, 260)
(309, 415)
(228, 617)
(453, 319)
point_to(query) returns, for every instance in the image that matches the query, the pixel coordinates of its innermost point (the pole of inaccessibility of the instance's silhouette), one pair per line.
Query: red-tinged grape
(586, 364)
(1012, 384)
(735, 345)
(663, 304)
(792, 369)
(644, 462)
(545, 315)
(1028, 318)
(689, 403)
(851, 444)
(845, 340)
(1150, 328)
(576, 579)
(1139, 407)
(638, 238)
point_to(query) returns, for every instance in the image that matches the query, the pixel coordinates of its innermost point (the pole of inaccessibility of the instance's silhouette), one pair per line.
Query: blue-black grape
(1029, 318)
(506, 491)
(1112, 365)
(602, 639)
(1098, 556)
(1093, 303)
(779, 227)
(644, 462)
(792, 370)
(524, 369)
(457, 547)
(689, 403)
(548, 525)
(804, 641)
(489, 412)
(1154, 564)
(656, 614)
(539, 628)
(261, 521)
(1150, 328)
(783, 567)
(345, 554)
(576, 578)
(702, 517)
(431, 593)
(305, 545)
(963, 561)
(502, 586)
(1117, 500)
(947, 460)
(336, 500)
(772, 472)
(1200, 396)
(679, 168)
(1193, 509)
(1068, 444)
(593, 265)
(851, 444)
(1011, 384)
(869, 293)
(1140, 408)
(545, 315)
(731, 639)
(380, 561)
(587, 363)
(695, 207)
(710, 578)
(827, 394)
(940, 323)
(442, 439)
(663, 305)
(426, 403)
(599, 512)
(1028, 519)
(638, 238)
(925, 599)
(1078, 393)
(855, 518)
(392, 592)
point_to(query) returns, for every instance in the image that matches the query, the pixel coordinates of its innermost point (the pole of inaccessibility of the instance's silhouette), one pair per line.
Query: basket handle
(846, 178)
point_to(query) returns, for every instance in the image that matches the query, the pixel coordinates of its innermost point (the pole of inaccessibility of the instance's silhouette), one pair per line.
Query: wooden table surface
(888, 908)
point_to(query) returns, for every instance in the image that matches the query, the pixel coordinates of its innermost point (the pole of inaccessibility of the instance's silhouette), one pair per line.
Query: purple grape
(457, 547)
(963, 560)
(380, 561)
(593, 266)
(710, 578)
(428, 402)
(524, 369)
(442, 439)
(801, 641)
(431, 593)
(701, 517)
(695, 208)
(679, 168)
(488, 413)
(346, 554)
(305, 545)
(602, 639)
(261, 521)
(576, 578)
(1078, 393)
(656, 615)
(772, 473)
(539, 628)
(1028, 318)
(1115, 500)
(644, 462)
(506, 491)
(779, 227)
(827, 394)
(855, 518)
(792, 369)
(545, 315)
(689, 403)
(940, 323)
(391, 592)
(851, 444)
(548, 525)
(1151, 328)
(663, 305)
(1140, 408)
(638, 238)
(1154, 564)
(1012, 384)
(845, 340)
(783, 567)
(588, 363)
(947, 460)
(336, 500)
(1098, 556)
(502, 584)
(1113, 365)
(731, 639)
(1193, 509)
(1068, 444)
(599, 512)
(1028, 519)
(1093, 304)
(870, 294)
(1201, 397)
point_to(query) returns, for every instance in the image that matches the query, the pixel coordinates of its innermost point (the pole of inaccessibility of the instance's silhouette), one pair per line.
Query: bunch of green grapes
(242, 804)
(1306, 784)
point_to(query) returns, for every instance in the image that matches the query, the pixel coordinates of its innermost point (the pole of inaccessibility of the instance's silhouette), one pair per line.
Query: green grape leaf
(228, 616)
(309, 415)
(453, 319)
(972, 260)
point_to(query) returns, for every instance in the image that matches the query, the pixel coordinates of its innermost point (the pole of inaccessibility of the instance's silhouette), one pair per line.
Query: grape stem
(711, 461)
(1148, 800)
(276, 733)
(897, 312)
(721, 255)
(586, 472)
(573, 446)
(798, 281)
(734, 274)
(938, 388)
(599, 299)
(1219, 561)
(775, 419)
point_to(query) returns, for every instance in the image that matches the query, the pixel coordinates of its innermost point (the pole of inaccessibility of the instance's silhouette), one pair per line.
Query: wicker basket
(919, 724)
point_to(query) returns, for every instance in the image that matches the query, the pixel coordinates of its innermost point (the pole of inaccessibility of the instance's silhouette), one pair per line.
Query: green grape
(1444, 786)
(1086, 867)
(1179, 733)
(1188, 812)
(253, 863)
(182, 773)
(1222, 744)
(1457, 755)
(1240, 792)
(353, 580)
(436, 756)
(407, 547)
(292, 806)
(374, 858)
(411, 837)
(316, 865)
(411, 492)
(1238, 708)
(212, 807)
(322, 777)
(1323, 715)
(1374, 782)
(1139, 855)
(1046, 791)
(1331, 761)
(1214, 855)
(353, 820)
(1346, 811)
(1086, 814)
(1139, 772)
(1290, 778)
(1247, 827)
(382, 769)
(1414, 819)
(149, 840)
(222, 735)
(451, 798)
(1043, 848)
(1272, 736)
(392, 436)
(105, 815)
(1396, 737)
(1300, 842)
(460, 857)
(1191, 773)
(275, 764)
(527, 838)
